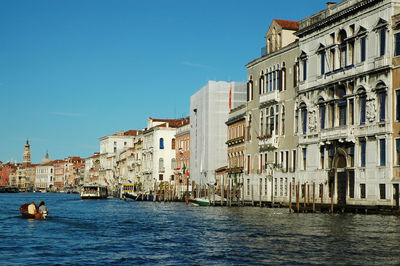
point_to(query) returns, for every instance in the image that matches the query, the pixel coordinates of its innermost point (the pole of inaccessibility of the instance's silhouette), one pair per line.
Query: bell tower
(27, 154)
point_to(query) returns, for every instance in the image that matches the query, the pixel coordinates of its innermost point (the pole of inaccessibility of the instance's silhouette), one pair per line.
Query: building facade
(344, 103)
(182, 155)
(209, 108)
(270, 139)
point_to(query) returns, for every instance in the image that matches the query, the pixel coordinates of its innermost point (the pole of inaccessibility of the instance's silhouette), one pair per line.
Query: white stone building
(110, 147)
(344, 103)
(44, 175)
(158, 158)
(209, 109)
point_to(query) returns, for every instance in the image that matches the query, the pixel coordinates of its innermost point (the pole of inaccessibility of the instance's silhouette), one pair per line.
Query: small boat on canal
(94, 192)
(128, 191)
(200, 202)
(24, 211)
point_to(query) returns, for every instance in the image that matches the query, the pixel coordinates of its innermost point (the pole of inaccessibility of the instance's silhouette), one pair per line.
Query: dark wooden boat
(24, 211)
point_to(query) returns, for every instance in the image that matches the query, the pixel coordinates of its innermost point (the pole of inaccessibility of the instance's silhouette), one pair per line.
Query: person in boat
(42, 207)
(32, 208)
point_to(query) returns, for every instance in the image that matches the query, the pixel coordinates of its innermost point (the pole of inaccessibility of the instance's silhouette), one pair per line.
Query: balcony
(337, 132)
(268, 142)
(269, 97)
(235, 141)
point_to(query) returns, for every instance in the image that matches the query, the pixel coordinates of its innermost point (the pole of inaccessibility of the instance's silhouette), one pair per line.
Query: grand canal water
(125, 232)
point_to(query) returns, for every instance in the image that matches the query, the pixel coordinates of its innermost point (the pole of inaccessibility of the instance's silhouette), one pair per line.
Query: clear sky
(72, 71)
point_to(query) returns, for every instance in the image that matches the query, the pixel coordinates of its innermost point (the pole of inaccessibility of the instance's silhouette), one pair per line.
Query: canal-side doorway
(341, 177)
(341, 188)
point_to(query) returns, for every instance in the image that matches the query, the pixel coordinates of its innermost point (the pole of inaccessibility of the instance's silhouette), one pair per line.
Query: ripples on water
(126, 232)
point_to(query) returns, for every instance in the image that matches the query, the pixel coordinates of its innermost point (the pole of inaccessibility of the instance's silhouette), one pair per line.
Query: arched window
(270, 121)
(250, 89)
(381, 93)
(173, 144)
(161, 143)
(261, 87)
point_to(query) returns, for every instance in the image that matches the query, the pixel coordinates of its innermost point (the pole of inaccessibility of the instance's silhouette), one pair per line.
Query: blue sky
(73, 71)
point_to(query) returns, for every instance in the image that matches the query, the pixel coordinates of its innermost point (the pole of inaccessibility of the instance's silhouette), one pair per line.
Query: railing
(271, 96)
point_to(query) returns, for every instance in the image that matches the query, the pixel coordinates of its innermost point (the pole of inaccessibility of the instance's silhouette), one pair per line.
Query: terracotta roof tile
(288, 24)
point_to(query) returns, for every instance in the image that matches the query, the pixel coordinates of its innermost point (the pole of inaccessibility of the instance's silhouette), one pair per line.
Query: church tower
(27, 154)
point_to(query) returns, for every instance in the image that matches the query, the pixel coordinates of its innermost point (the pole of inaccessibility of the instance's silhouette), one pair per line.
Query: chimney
(330, 4)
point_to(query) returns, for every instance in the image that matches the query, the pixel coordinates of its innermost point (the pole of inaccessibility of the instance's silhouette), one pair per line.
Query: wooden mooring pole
(304, 197)
(298, 197)
(290, 197)
(332, 198)
(313, 197)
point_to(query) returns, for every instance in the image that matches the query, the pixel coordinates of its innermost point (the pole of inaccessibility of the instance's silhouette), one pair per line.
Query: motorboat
(39, 216)
(94, 192)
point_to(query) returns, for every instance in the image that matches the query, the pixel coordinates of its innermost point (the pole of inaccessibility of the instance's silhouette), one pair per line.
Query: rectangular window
(382, 149)
(274, 80)
(248, 186)
(397, 151)
(382, 106)
(363, 101)
(294, 160)
(362, 153)
(397, 44)
(304, 158)
(275, 187)
(323, 63)
(363, 47)
(295, 74)
(281, 187)
(304, 70)
(362, 191)
(398, 105)
(382, 38)
(248, 164)
(322, 116)
(382, 191)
